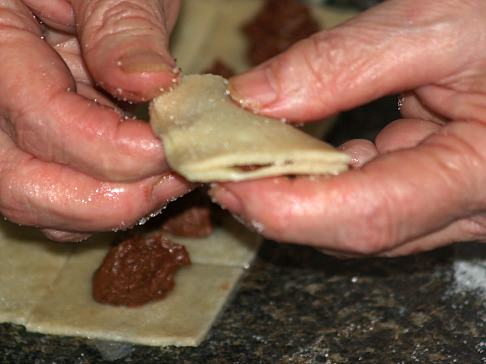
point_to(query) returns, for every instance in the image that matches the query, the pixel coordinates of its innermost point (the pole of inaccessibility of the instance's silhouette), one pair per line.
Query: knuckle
(460, 162)
(313, 67)
(330, 52)
(324, 51)
(274, 225)
(64, 236)
(474, 228)
(311, 61)
(313, 58)
(111, 18)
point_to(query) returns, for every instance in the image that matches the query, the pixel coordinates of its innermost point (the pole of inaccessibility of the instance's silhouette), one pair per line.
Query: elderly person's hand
(69, 161)
(422, 183)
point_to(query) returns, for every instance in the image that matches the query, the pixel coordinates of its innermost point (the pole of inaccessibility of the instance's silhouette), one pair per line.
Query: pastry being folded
(208, 137)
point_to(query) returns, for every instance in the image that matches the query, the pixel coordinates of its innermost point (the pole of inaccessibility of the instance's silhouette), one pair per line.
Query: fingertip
(361, 151)
(225, 198)
(145, 61)
(58, 14)
(404, 133)
(139, 75)
(170, 187)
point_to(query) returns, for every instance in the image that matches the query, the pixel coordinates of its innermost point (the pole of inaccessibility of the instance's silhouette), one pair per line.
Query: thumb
(398, 45)
(125, 45)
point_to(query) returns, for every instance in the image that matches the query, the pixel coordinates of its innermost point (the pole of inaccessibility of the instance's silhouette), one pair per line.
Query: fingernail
(169, 187)
(254, 89)
(65, 236)
(144, 61)
(225, 198)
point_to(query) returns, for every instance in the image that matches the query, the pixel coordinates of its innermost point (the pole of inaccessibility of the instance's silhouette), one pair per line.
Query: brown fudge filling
(194, 221)
(221, 69)
(277, 26)
(190, 216)
(138, 270)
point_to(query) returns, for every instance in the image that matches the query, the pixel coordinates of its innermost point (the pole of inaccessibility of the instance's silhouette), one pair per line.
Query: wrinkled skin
(421, 184)
(70, 163)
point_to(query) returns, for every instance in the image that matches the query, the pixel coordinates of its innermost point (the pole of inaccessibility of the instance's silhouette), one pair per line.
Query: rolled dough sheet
(207, 137)
(183, 318)
(28, 266)
(223, 38)
(195, 23)
(231, 244)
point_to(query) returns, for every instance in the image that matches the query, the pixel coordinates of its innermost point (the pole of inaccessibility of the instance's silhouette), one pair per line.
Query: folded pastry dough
(208, 137)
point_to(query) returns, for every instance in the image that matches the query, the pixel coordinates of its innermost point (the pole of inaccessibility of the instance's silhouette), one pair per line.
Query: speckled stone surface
(297, 306)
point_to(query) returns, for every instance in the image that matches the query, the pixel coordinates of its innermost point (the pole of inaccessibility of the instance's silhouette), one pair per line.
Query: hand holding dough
(207, 137)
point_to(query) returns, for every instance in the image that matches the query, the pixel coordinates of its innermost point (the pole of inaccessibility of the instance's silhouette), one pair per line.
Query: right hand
(421, 184)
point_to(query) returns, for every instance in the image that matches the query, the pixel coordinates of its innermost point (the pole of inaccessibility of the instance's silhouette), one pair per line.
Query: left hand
(71, 163)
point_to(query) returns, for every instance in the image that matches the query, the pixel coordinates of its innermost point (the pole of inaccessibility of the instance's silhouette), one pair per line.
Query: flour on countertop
(470, 269)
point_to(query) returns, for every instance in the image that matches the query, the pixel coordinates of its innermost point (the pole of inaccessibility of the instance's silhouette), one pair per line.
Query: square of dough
(224, 39)
(183, 318)
(29, 264)
(230, 244)
(195, 23)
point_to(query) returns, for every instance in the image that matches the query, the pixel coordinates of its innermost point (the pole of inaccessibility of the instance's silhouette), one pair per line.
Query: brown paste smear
(190, 216)
(221, 69)
(276, 27)
(138, 270)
